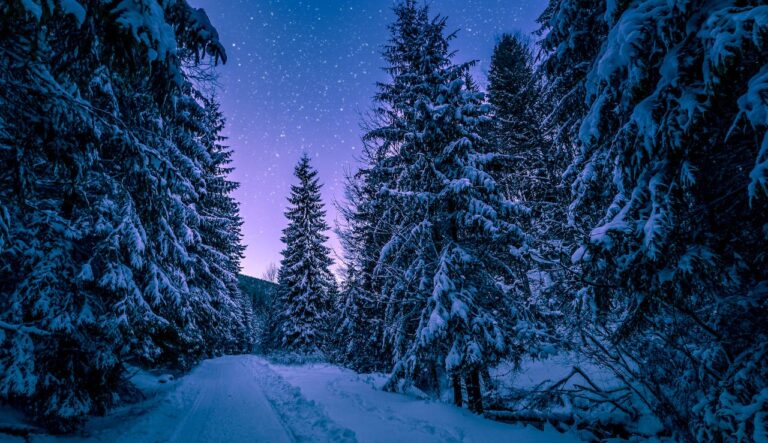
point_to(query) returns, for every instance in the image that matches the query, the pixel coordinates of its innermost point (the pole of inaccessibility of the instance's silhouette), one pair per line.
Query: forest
(598, 204)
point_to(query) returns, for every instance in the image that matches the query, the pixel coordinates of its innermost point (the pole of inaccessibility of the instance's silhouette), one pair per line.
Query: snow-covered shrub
(292, 358)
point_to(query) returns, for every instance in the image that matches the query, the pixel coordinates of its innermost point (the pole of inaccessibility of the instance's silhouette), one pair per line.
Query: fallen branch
(562, 422)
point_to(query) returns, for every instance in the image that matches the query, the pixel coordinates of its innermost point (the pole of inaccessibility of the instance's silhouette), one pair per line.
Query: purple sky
(300, 73)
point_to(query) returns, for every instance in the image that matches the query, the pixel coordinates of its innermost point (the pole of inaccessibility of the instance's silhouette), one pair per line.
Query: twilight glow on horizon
(300, 75)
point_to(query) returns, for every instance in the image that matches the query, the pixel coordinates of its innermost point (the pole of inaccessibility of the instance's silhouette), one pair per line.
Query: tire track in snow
(388, 415)
(305, 418)
(229, 399)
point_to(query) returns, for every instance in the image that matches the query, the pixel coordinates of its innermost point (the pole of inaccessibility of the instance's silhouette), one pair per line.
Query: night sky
(299, 76)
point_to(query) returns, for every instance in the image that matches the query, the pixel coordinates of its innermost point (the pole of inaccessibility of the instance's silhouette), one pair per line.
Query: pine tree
(669, 191)
(307, 287)
(533, 171)
(570, 50)
(449, 271)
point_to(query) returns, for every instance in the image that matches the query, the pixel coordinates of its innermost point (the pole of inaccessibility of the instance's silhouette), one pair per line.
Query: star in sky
(300, 75)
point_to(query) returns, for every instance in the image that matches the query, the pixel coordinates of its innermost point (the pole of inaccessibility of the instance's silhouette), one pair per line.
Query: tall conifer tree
(669, 193)
(516, 129)
(220, 225)
(361, 312)
(307, 286)
(532, 172)
(455, 294)
(104, 251)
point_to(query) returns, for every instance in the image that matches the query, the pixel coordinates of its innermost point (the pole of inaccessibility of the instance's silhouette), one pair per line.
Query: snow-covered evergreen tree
(533, 168)
(669, 190)
(569, 50)
(361, 319)
(104, 254)
(515, 128)
(220, 226)
(455, 294)
(307, 287)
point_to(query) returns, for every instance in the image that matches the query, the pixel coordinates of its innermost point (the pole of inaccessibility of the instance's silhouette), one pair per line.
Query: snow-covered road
(245, 399)
(222, 408)
(233, 399)
(222, 400)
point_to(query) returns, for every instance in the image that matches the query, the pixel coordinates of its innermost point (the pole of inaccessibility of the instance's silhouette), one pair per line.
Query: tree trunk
(436, 380)
(474, 397)
(457, 400)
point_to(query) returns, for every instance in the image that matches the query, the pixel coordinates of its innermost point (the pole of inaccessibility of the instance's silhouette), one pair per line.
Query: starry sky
(300, 75)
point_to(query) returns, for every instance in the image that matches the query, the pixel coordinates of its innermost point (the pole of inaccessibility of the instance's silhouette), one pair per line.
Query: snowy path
(228, 399)
(244, 399)
(222, 400)
(357, 402)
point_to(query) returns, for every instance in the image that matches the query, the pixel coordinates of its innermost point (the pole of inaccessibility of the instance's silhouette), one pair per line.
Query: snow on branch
(32, 330)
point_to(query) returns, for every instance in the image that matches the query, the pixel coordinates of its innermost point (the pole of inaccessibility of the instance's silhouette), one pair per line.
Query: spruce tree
(533, 169)
(307, 286)
(669, 193)
(450, 269)
(532, 173)
(221, 227)
(513, 92)
(569, 50)
(361, 320)
(103, 257)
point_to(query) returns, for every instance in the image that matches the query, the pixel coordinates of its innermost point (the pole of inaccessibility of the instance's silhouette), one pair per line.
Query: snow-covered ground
(246, 399)
(357, 403)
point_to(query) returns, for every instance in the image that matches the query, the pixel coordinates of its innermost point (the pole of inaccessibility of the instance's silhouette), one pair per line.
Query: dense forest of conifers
(605, 197)
(119, 240)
